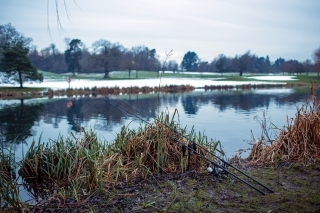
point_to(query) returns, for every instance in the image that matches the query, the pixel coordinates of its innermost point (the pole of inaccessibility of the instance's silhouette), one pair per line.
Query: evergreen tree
(16, 66)
(73, 55)
(190, 61)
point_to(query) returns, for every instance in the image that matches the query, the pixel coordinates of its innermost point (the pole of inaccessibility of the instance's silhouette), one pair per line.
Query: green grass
(308, 78)
(296, 190)
(123, 75)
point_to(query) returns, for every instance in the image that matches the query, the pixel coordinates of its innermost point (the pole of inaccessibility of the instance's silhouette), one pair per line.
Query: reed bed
(135, 90)
(9, 189)
(117, 90)
(65, 162)
(76, 167)
(20, 94)
(298, 142)
(151, 150)
(251, 86)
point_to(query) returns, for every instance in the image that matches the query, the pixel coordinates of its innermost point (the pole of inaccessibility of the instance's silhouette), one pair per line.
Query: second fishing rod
(190, 148)
(199, 146)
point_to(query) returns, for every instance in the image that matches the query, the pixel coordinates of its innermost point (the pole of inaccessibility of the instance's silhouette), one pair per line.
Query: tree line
(104, 56)
(250, 63)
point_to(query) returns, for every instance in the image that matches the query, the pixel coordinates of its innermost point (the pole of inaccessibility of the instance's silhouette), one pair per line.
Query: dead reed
(9, 189)
(117, 90)
(76, 167)
(64, 168)
(151, 150)
(251, 86)
(298, 142)
(134, 90)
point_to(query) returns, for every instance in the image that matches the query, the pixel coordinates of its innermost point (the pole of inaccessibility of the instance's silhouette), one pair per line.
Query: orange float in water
(69, 104)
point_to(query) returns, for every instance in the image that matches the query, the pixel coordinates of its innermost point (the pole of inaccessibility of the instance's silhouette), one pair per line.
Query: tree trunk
(106, 74)
(20, 79)
(240, 74)
(73, 70)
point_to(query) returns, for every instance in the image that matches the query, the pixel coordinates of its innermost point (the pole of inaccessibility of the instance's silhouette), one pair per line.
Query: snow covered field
(196, 82)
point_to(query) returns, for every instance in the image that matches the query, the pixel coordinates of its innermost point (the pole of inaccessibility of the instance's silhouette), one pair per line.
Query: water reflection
(216, 112)
(17, 121)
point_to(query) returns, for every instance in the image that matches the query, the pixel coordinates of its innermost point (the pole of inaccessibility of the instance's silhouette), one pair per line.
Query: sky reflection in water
(227, 116)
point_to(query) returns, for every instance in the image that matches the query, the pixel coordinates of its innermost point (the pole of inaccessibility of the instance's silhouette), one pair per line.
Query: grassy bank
(120, 75)
(29, 92)
(296, 190)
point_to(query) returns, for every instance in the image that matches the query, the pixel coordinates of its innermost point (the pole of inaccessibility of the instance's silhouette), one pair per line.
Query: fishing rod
(204, 149)
(192, 149)
(225, 170)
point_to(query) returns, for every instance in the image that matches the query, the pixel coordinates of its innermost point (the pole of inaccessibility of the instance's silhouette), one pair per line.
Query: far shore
(94, 85)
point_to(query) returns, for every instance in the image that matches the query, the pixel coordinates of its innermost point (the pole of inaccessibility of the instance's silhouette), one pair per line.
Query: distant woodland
(104, 56)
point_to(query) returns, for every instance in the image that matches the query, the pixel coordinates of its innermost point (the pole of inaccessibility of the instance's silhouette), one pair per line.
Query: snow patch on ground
(196, 82)
(274, 78)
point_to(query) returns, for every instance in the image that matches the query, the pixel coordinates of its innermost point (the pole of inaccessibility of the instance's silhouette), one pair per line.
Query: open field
(149, 80)
(303, 78)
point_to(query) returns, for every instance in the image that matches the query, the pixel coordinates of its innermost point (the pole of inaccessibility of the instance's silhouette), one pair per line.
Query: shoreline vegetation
(14, 93)
(31, 92)
(146, 170)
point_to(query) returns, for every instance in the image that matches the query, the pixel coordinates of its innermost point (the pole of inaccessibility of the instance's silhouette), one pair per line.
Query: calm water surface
(227, 116)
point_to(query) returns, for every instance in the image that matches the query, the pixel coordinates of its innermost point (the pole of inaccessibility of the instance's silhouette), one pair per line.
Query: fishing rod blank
(222, 160)
(229, 164)
(190, 148)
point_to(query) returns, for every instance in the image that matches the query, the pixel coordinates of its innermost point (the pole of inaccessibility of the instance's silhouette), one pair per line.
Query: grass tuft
(298, 142)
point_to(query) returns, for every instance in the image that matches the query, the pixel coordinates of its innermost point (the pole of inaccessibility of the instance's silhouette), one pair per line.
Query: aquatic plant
(298, 142)
(76, 167)
(152, 149)
(66, 160)
(9, 187)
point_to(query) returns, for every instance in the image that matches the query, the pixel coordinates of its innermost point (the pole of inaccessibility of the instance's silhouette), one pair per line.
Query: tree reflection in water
(18, 120)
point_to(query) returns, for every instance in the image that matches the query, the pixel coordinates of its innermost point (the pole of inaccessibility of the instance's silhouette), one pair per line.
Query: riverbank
(93, 85)
(14, 93)
(296, 189)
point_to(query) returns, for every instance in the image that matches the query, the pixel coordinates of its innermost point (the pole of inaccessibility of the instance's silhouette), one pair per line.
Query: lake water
(227, 116)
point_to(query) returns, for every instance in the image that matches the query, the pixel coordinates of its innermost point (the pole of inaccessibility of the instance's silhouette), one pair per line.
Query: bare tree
(102, 55)
(316, 58)
(222, 64)
(9, 36)
(172, 65)
(107, 55)
(307, 66)
(128, 63)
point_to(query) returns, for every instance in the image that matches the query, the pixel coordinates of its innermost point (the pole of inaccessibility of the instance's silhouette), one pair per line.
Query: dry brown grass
(299, 142)
(148, 152)
(77, 167)
(252, 86)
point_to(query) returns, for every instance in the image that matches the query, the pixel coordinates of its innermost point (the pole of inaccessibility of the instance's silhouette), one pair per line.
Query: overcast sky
(279, 28)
